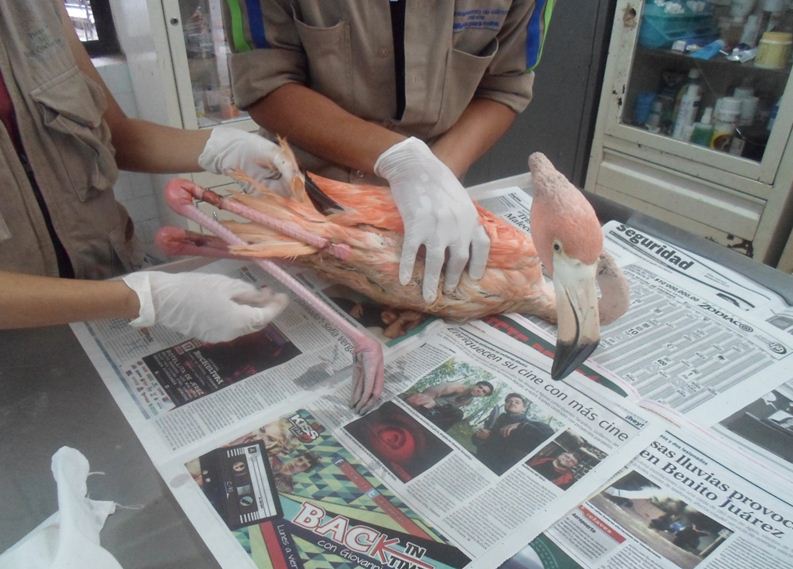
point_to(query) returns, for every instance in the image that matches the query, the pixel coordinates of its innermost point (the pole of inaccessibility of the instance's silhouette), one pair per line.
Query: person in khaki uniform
(410, 92)
(62, 139)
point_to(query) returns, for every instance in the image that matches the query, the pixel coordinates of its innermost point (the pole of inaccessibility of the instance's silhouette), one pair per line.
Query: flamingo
(352, 234)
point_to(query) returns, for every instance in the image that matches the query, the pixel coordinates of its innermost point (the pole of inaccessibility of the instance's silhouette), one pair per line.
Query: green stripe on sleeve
(238, 42)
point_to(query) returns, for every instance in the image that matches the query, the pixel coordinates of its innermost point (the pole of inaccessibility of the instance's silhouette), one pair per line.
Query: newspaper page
(691, 333)
(683, 502)
(181, 390)
(699, 337)
(679, 344)
(723, 284)
(474, 450)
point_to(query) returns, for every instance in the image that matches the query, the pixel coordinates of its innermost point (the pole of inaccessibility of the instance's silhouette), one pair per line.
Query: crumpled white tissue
(69, 539)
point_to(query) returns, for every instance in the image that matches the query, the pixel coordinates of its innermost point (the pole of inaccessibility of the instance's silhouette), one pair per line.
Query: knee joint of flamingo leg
(210, 197)
(179, 194)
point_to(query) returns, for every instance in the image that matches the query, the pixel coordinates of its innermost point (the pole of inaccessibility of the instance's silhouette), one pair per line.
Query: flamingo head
(569, 241)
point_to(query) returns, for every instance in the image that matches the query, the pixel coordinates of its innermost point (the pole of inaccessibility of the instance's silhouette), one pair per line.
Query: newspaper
(474, 450)
(685, 501)
(460, 460)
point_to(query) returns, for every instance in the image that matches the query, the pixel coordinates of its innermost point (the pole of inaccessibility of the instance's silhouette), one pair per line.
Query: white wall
(134, 190)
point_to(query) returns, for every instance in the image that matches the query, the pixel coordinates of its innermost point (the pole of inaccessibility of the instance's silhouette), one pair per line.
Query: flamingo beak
(577, 311)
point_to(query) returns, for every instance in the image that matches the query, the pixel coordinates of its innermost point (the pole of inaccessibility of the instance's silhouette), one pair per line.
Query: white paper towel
(69, 539)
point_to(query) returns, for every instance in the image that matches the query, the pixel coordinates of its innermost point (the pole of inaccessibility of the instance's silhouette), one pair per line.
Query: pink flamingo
(358, 244)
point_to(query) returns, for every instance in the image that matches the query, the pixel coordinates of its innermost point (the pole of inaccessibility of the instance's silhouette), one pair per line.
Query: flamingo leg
(368, 377)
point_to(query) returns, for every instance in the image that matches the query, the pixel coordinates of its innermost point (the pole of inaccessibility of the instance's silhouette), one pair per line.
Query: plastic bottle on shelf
(702, 131)
(751, 30)
(687, 106)
(771, 15)
(726, 114)
(748, 103)
(653, 123)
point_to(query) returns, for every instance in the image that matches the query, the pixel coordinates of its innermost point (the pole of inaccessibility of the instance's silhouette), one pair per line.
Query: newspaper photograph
(685, 501)
(764, 427)
(480, 417)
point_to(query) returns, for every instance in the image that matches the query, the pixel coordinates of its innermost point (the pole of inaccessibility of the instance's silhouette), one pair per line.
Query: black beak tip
(568, 357)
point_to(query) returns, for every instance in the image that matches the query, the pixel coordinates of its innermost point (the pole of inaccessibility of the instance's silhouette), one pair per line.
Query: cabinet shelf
(720, 62)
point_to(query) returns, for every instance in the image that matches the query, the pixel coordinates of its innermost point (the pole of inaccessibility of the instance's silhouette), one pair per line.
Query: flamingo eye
(557, 247)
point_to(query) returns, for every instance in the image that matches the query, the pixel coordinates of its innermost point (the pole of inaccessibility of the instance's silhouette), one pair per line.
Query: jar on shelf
(774, 49)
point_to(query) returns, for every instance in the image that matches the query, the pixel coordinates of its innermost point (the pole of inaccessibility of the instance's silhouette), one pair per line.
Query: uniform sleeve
(510, 76)
(266, 52)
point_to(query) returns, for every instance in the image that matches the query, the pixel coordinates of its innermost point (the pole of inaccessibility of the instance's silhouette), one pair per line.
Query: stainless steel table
(52, 396)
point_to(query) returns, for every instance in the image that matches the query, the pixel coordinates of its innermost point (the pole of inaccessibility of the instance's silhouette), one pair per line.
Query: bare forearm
(142, 146)
(28, 301)
(480, 126)
(317, 124)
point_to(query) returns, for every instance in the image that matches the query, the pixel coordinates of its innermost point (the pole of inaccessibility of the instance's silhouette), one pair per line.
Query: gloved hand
(437, 213)
(212, 308)
(230, 148)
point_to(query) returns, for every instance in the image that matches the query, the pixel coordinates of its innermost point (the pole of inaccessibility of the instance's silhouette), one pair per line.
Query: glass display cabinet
(199, 52)
(197, 56)
(695, 118)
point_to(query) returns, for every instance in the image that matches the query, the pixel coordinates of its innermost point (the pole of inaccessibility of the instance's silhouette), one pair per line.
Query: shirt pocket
(72, 107)
(463, 75)
(329, 56)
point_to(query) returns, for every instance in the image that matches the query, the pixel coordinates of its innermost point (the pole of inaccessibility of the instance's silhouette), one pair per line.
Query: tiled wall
(134, 190)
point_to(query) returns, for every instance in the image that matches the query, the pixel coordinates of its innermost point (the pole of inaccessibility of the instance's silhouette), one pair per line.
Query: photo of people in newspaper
(400, 442)
(453, 391)
(566, 459)
(767, 422)
(192, 369)
(328, 510)
(661, 520)
(387, 323)
(511, 432)
(495, 425)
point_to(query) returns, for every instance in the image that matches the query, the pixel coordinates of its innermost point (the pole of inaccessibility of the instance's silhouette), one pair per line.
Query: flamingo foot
(368, 376)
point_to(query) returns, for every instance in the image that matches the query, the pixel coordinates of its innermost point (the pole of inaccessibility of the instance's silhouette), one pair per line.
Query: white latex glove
(212, 308)
(230, 148)
(437, 213)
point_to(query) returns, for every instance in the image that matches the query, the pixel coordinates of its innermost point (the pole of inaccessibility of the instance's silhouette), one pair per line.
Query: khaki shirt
(455, 51)
(59, 114)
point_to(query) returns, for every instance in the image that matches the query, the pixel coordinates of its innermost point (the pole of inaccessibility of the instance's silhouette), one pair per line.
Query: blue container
(642, 107)
(660, 29)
